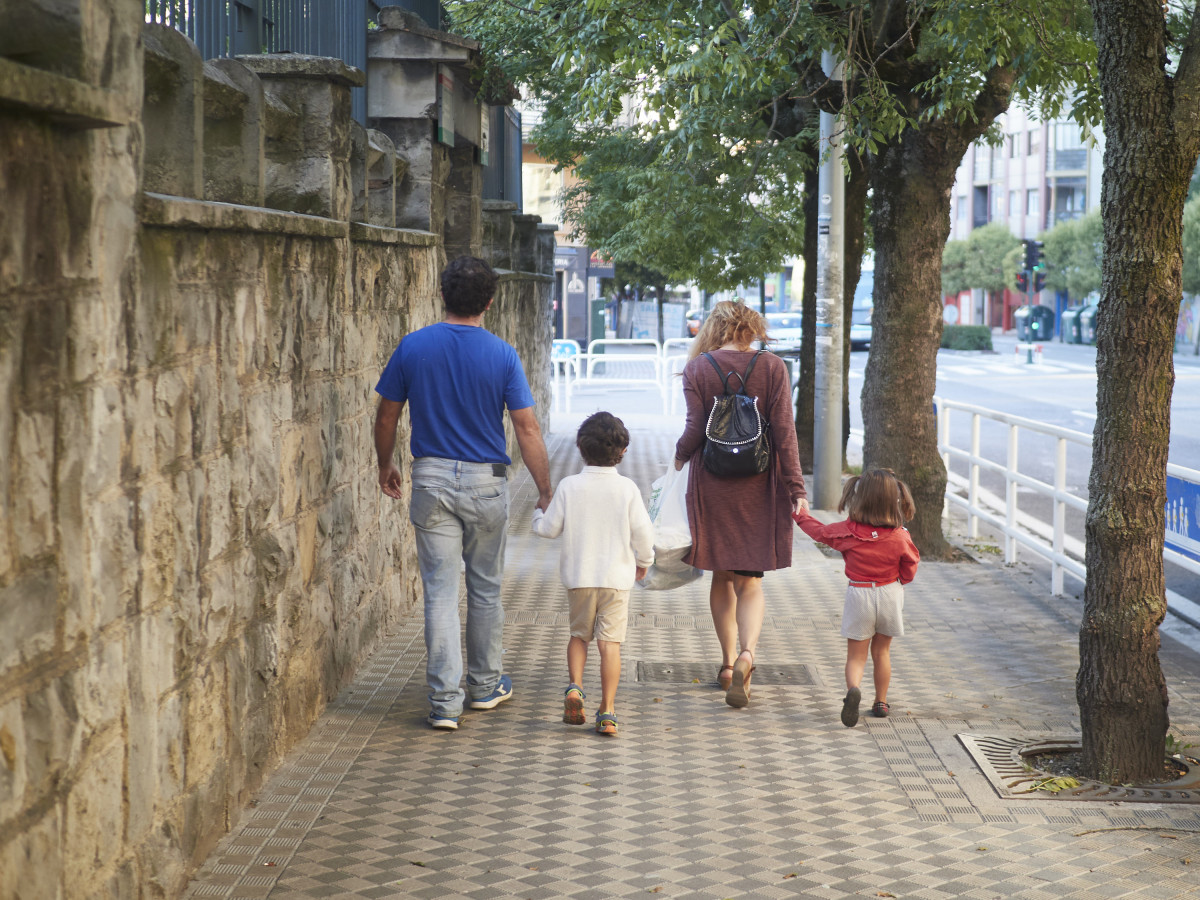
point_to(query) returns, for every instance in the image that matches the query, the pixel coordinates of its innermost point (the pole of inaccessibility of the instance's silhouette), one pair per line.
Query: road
(1060, 391)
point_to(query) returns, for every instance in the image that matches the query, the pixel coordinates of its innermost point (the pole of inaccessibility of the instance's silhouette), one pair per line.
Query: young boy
(608, 542)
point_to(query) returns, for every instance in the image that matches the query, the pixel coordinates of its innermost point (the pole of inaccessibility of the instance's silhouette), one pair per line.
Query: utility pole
(831, 209)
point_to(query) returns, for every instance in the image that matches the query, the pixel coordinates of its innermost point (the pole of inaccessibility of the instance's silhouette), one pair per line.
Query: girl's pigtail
(908, 509)
(847, 492)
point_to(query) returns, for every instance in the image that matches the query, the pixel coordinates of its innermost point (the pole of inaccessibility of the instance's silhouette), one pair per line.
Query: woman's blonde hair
(877, 497)
(729, 323)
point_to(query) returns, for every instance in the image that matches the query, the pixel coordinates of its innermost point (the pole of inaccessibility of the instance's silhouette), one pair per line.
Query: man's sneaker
(499, 694)
(606, 723)
(444, 723)
(573, 705)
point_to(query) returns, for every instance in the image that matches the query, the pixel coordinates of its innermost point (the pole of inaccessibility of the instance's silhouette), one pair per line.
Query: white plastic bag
(672, 536)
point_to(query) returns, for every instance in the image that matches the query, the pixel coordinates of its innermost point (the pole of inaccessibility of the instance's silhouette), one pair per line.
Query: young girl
(880, 557)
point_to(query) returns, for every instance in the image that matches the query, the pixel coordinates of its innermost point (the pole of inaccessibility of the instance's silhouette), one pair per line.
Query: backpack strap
(724, 378)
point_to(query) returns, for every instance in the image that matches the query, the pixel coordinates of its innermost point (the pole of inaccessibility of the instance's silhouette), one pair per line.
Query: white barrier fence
(627, 362)
(1048, 540)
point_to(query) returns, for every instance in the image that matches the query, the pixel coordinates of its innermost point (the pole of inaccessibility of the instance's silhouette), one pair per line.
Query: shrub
(967, 337)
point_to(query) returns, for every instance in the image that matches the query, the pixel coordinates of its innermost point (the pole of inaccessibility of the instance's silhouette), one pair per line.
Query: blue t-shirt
(457, 380)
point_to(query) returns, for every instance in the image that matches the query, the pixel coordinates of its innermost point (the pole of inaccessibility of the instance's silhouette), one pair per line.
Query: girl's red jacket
(872, 553)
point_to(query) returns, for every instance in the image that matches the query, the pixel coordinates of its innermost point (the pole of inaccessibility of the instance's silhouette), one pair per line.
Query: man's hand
(678, 464)
(544, 501)
(639, 573)
(389, 480)
(799, 506)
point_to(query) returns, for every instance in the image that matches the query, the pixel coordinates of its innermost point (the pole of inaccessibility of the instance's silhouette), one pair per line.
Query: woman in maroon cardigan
(741, 527)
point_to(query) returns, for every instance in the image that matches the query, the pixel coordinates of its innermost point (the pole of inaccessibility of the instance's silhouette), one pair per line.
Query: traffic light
(1022, 282)
(1039, 281)
(1033, 254)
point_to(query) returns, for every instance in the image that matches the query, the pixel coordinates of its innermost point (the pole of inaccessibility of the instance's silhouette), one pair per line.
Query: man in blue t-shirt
(457, 380)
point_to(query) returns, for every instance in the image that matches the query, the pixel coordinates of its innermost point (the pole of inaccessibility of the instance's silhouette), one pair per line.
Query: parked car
(784, 330)
(860, 315)
(694, 319)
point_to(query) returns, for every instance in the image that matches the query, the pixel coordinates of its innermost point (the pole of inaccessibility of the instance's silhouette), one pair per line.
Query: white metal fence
(1050, 540)
(617, 362)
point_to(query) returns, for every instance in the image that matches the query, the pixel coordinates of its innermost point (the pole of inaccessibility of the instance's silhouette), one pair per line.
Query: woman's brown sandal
(738, 695)
(724, 680)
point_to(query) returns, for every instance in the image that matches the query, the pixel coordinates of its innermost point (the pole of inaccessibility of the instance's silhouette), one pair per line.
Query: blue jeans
(460, 510)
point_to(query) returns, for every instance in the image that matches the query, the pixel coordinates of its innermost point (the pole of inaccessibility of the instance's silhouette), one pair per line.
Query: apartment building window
(1033, 202)
(1011, 140)
(1014, 208)
(542, 191)
(1034, 137)
(961, 207)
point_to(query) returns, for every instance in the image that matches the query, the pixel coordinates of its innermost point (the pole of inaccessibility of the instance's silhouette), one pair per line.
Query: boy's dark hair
(468, 284)
(601, 440)
(878, 497)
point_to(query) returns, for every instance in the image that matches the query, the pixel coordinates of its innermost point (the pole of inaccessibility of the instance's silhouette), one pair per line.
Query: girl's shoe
(880, 709)
(850, 707)
(573, 705)
(606, 723)
(738, 694)
(724, 679)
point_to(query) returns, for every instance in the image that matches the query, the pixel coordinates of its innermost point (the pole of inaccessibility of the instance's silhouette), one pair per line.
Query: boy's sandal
(606, 723)
(573, 699)
(880, 709)
(738, 694)
(724, 680)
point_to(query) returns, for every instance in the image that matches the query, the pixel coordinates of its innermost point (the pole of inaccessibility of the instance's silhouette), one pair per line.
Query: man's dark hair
(601, 440)
(468, 283)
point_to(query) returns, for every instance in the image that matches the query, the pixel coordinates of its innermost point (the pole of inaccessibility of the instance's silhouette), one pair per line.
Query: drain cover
(706, 673)
(1005, 761)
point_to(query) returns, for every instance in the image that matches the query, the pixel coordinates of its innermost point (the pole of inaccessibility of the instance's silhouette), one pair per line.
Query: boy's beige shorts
(599, 613)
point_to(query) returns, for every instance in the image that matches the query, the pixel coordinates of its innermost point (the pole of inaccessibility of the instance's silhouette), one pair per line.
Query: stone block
(31, 511)
(94, 822)
(139, 452)
(463, 230)
(205, 412)
(207, 717)
(217, 526)
(41, 841)
(525, 238)
(100, 686)
(104, 436)
(30, 605)
(12, 762)
(172, 113)
(187, 487)
(234, 162)
(308, 165)
(54, 736)
(111, 558)
(173, 417)
(496, 220)
(384, 171)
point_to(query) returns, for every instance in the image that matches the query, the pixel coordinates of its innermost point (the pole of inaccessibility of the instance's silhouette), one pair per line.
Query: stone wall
(194, 553)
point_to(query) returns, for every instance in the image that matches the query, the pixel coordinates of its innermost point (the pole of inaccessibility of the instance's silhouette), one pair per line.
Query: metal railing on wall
(336, 28)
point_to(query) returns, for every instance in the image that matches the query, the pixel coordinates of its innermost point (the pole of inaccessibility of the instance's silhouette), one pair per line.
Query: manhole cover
(1005, 761)
(706, 673)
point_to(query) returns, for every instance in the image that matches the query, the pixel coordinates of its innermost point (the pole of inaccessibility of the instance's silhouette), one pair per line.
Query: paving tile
(697, 799)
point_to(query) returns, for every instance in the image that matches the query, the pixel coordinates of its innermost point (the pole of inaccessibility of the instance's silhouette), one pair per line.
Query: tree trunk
(1149, 155)
(806, 386)
(855, 215)
(911, 180)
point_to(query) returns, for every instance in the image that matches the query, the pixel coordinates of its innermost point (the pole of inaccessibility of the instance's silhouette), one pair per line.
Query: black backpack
(739, 442)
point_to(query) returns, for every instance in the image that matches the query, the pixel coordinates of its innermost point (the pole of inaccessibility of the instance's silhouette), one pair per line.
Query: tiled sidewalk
(695, 799)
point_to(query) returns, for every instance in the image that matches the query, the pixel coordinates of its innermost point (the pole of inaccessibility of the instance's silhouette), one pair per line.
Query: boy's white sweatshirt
(605, 528)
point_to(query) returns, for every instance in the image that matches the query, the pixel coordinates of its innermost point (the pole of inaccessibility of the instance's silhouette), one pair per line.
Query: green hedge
(966, 337)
